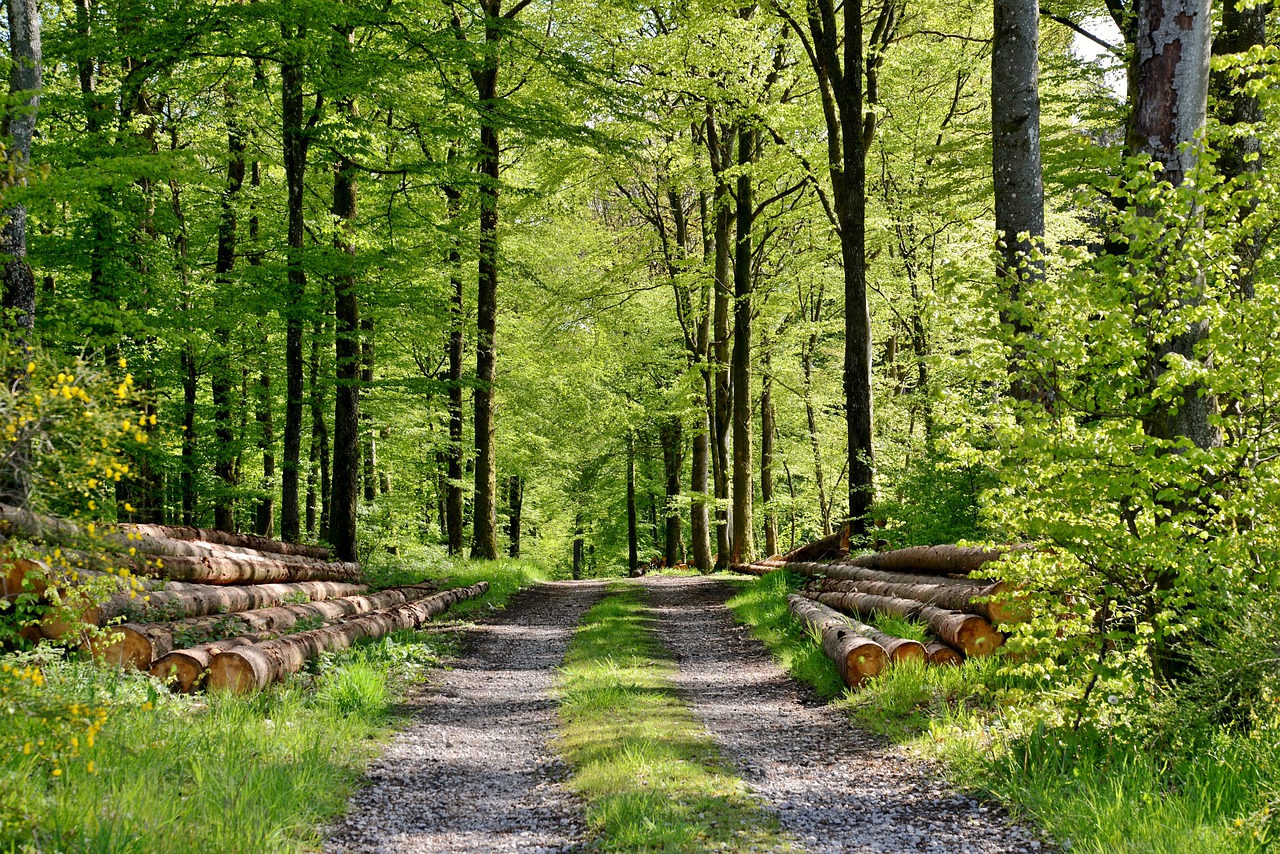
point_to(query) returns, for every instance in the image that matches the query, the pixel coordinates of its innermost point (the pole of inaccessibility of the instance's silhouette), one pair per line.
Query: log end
(863, 659)
(976, 637)
(240, 671)
(941, 655)
(122, 646)
(181, 671)
(904, 649)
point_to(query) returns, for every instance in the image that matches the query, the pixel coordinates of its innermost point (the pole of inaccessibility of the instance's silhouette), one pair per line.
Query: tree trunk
(1015, 165)
(856, 658)
(719, 151)
(577, 548)
(318, 452)
(699, 517)
(515, 501)
(633, 534)
(672, 438)
(742, 549)
(370, 444)
(484, 542)
(815, 441)
(455, 498)
(255, 666)
(929, 560)
(766, 452)
(190, 388)
(347, 355)
(222, 375)
(25, 79)
(265, 513)
(296, 141)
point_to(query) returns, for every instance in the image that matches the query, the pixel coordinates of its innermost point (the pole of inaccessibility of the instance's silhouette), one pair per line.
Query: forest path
(834, 787)
(475, 772)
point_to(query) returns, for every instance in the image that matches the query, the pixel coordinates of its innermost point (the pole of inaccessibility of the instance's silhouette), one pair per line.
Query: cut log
(13, 571)
(255, 666)
(941, 655)
(756, 569)
(184, 670)
(139, 644)
(244, 569)
(177, 600)
(833, 545)
(929, 560)
(950, 594)
(898, 649)
(228, 559)
(225, 538)
(967, 633)
(856, 658)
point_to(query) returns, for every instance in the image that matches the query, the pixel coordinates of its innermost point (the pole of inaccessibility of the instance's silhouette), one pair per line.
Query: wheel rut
(834, 787)
(475, 771)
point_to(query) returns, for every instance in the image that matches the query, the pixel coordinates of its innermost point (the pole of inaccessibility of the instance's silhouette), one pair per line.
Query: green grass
(1091, 789)
(182, 775)
(651, 777)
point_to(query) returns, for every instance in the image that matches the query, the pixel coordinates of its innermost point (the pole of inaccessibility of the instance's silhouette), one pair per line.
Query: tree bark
(255, 666)
(1015, 160)
(719, 143)
(929, 560)
(836, 54)
(967, 597)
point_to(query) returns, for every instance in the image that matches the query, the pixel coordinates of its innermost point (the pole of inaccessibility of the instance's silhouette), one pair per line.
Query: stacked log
(856, 658)
(940, 586)
(968, 595)
(255, 666)
(179, 601)
(967, 633)
(139, 644)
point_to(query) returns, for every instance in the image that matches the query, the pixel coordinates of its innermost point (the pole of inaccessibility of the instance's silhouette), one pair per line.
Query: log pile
(207, 594)
(940, 587)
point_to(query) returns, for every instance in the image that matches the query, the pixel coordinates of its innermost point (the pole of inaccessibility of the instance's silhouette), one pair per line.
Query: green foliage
(651, 777)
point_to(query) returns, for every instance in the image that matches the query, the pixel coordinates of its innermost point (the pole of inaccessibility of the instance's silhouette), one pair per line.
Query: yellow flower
(31, 367)
(57, 772)
(90, 768)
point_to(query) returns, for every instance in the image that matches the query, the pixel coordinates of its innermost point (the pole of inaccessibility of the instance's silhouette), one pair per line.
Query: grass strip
(652, 778)
(102, 760)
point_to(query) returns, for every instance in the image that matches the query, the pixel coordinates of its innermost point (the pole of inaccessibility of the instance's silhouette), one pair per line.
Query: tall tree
(832, 34)
(742, 549)
(1015, 156)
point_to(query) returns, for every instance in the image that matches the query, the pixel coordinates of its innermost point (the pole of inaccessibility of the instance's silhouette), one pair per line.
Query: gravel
(475, 771)
(834, 787)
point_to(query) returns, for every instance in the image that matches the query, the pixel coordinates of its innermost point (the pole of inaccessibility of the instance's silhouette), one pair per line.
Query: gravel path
(833, 787)
(474, 772)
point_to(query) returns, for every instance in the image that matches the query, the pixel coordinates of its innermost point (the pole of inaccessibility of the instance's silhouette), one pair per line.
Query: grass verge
(100, 760)
(651, 777)
(1091, 788)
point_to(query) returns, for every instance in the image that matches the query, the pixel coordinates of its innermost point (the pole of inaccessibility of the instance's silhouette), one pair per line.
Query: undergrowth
(651, 777)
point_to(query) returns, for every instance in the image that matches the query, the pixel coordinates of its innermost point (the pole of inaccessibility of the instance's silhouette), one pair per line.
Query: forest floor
(478, 770)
